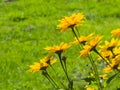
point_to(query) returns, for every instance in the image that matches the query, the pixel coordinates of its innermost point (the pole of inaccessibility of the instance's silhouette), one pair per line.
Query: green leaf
(111, 78)
(114, 83)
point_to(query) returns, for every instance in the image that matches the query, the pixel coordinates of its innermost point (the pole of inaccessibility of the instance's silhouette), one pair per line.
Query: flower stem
(95, 71)
(65, 71)
(63, 67)
(56, 75)
(77, 31)
(46, 74)
(76, 36)
(102, 57)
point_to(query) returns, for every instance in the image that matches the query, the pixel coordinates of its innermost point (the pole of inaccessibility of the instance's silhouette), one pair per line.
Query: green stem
(76, 36)
(70, 85)
(56, 75)
(50, 79)
(45, 74)
(102, 57)
(53, 81)
(95, 72)
(77, 31)
(63, 67)
(113, 53)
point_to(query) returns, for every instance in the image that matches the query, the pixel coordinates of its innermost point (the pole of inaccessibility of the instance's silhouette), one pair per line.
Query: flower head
(86, 50)
(107, 55)
(90, 46)
(35, 67)
(107, 69)
(116, 32)
(93, 43)
(89, 88)
(61, 48)
(82, 39)
(104, 76)
(110, 45)
(115, 64)
(117, 51)
(42, 65)
(72, 21)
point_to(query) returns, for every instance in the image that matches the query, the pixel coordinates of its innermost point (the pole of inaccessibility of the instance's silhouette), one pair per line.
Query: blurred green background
(28, 26)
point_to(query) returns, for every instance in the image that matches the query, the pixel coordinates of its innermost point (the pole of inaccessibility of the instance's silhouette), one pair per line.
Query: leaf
(114, 83)
(111, 78)
(89, 80)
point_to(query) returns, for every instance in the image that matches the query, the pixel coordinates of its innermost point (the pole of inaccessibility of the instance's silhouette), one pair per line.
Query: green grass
(27, 26)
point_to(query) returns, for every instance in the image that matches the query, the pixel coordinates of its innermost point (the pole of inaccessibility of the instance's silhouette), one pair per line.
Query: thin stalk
(56, 75)
(53, 81)
(63, 67)
(77, 31)
(112, 52)
(102, 57)
(95, 72)
(76, 36)
(50, 81)
(70, 81)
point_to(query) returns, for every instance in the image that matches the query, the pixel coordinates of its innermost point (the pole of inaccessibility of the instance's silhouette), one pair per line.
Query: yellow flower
(61, 48)
(82, 39)
(107, 55)
(93, 43)
(71, 21)
(116, 32)
(47, 60)
(85, 51)
(42, 65)
(91, 75)
(107, 69)
(115, 64)
(110, 45)
(90, 46)
(89, 88)
(117, 51)
(104, 76)
(35, 67)
(118, 68)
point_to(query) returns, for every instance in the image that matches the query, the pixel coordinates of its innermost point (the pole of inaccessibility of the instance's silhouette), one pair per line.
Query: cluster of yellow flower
(109, 52)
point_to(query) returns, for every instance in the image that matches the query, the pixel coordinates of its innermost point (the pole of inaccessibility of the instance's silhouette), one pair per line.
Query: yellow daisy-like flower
(117, 51)
(82, 39)
(116, 32)
(107, 55)
(42, 65)
(115, 64)
(90, 46)
(118, 68)
(89, 88)
(35, 67)
(46, 59)
(104, 76)
(85, 51)
(61, 48)
(110, 45)
(93, 43)
(107, 69)
(71, 22)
